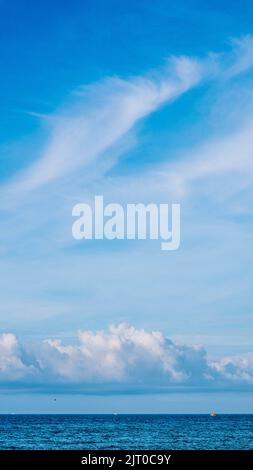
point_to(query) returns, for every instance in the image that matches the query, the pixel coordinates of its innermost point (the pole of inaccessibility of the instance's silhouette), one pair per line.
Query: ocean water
(167, 432)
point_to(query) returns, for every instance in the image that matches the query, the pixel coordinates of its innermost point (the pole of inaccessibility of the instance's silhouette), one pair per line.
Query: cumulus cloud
(121, 356)
(236, 368)
(12, 366)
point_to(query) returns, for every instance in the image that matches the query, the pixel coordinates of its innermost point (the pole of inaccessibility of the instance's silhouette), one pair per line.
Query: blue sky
(140, 102)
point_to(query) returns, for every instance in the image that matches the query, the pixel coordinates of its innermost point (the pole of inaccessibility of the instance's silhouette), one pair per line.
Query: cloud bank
(123, 355)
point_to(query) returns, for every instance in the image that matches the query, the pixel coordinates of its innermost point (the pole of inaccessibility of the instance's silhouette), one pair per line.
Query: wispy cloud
(242, 57)
(100, 115)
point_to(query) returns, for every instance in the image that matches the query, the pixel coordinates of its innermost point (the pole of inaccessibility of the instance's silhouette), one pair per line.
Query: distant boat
(213, 414)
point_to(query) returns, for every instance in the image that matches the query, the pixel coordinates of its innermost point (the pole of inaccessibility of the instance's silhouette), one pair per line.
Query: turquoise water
(126, 432)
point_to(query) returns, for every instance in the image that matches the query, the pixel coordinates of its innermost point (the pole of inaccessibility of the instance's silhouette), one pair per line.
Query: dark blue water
(126, 432)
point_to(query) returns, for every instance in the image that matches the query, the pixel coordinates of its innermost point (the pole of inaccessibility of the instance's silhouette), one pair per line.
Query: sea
(149, 432)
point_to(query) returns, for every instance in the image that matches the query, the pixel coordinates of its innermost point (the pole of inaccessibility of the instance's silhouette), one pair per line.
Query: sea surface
(167, 432)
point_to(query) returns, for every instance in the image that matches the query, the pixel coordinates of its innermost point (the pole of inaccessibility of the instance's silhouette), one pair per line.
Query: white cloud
(123, 355)
(231, 154)
(100, 115)
(214, 161)
(242, 58)
(236, 369)
(12, 366)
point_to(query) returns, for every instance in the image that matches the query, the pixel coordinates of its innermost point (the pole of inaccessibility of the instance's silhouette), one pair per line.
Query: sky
(139, 102)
